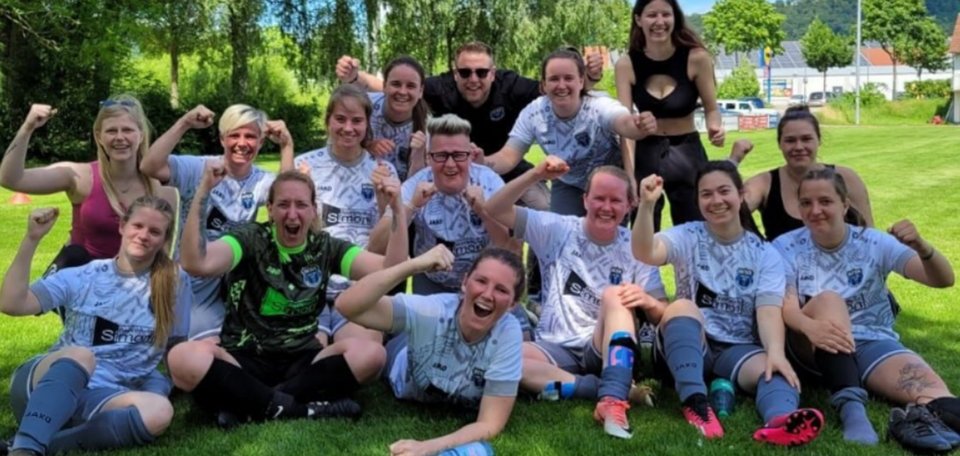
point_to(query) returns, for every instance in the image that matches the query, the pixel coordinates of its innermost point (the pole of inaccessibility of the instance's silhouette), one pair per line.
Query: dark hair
(728, 168)
(420, 109)
(478, 47)
(795, 113)
(852, 216)
(614, 171)
(681, 36)
(163, 271)
(508, 258)
(343, 92)
(569, 53)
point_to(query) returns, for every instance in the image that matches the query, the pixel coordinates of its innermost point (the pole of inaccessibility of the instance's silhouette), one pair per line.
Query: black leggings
(676, 159)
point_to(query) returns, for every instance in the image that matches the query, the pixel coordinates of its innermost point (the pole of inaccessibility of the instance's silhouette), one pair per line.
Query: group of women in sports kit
(288, 318)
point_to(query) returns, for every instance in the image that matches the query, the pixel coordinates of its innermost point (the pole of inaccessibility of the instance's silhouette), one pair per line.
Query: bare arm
(492, 418)
(155, 163)
(215, 258)
(772, 336)
(623, 73)
(57, 177)
(348, 72)
(707, 86)
(858, 193)
(501, 205)
(504, 160)
(755, 190)
(365, 302)
(15, 296)
(396, 250)
(645, 246)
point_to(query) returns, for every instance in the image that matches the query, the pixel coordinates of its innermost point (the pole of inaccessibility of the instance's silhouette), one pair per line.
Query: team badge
(582, 138)
(497, 114)
(366, 190)
(744, 277)
(475, 219)
(310, 276)
(616, 276)
(247, 200)
(477, 377)
(854, 277)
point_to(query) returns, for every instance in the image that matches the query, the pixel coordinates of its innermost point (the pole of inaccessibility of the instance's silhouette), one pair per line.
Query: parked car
(757, 102)
(797, 100)
(745, 107)
(821, 98)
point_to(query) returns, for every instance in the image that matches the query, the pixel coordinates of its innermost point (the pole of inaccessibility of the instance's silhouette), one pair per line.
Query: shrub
(742, 82)
(937, 88)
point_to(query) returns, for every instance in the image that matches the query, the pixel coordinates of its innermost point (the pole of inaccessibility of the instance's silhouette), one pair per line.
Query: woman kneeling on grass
(98, 387)
(462, 348)
(838, 308)
(726, 321)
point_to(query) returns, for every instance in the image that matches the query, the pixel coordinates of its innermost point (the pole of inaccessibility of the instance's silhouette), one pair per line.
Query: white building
(790, 74)
(954, 115)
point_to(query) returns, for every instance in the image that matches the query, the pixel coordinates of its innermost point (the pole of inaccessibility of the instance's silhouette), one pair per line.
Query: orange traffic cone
(19, 198)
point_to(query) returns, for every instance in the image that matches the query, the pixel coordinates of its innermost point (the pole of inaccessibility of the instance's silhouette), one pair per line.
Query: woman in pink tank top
(99, 191)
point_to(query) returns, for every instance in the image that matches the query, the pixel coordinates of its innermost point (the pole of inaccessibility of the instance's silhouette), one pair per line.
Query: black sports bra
(679, 103)
(776, 220)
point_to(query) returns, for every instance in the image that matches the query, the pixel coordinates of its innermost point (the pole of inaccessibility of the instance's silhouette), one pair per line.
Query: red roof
(876, 56)
(955, 41)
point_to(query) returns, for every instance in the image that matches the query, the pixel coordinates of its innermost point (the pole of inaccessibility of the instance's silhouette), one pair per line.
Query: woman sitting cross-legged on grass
(726, 321)
(98, 387)
(838, 308)
(462, 348)
(268, 364)
(593, 292)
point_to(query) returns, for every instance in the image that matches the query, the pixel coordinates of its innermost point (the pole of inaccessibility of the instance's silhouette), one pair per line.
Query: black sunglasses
(441, 157)
(108, 103)
(466, 72)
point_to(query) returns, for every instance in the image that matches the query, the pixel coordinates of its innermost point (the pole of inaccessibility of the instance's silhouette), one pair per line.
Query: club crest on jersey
(744, 277)
(497, 114)
(366, 190)
(310, 276)
(854, 277)
(475, 219)
(616, 276)
(582, 138)
(247, 200)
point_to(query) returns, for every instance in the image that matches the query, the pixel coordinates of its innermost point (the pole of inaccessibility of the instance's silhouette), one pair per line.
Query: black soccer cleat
(915, 432)
(341, 408)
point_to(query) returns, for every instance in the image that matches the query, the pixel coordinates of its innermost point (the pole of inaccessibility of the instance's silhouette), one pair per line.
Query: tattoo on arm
(913, 378)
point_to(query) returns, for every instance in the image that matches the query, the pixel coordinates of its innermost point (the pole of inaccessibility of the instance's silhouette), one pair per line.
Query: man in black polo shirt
(491, 99)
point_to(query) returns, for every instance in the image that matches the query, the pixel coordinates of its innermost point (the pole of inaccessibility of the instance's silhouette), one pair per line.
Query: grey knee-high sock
(776, 397)
(52, 403)
(615, 379)
(849, 403)
(683, 349)
(116, 428)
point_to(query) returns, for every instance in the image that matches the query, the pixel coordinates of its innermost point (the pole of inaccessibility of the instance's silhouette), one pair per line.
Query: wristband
(928, 256)
(594, 80)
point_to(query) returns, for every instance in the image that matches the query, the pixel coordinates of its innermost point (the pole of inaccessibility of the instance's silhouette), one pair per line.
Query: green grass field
(911, 172)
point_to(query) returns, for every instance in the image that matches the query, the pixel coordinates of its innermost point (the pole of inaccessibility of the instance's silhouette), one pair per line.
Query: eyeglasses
(108, 103)
(441, 157)
(466, 72)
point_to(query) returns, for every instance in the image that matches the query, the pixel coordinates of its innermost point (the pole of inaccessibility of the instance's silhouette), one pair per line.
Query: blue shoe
(914, 432)
(924, 413)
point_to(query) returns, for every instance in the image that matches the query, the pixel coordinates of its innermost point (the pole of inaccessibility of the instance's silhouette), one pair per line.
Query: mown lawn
(911, 172)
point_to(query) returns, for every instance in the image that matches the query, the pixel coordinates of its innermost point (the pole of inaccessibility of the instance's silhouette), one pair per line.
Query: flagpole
(856, 58)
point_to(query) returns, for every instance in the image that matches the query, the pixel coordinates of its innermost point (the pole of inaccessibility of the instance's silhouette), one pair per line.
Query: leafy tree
(744, 25)
(244, 35)
(742, 82)
(822, 49)
(887, 22)
(924, 47)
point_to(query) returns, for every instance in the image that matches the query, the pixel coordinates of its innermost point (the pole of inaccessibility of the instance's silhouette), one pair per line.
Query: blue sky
(696, 6)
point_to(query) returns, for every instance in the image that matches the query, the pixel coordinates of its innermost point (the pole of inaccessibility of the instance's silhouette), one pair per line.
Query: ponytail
(163, 296)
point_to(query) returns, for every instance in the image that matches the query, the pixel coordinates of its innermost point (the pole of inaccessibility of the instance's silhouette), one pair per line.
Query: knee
(81, 355)
(365, 358)
(824, 304)
(681, 308)
(156, 412)
(188, 360)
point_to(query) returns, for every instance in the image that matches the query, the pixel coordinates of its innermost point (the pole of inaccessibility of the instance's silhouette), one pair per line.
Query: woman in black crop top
(665, 71)
(774, 192)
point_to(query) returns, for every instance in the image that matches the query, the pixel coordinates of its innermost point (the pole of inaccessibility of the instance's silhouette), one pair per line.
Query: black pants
(677, 159)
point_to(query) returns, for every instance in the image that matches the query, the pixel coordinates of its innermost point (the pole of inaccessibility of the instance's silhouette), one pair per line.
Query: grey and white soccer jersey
(440, 365)
(448, 219)
(727, 281)
(399, 133)
(585, 141)
(856, 270)
(575, 271)
(233, 202)
(345, 193)
(109, 312)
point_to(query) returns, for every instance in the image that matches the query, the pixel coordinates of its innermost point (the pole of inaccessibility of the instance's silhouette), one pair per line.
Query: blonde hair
(350, 91)
(448, 125)
(114, 107)
(239, 115)
(163, 272)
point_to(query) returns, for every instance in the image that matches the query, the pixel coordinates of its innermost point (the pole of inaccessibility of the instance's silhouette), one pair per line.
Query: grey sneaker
(914, 432)
(924, 413)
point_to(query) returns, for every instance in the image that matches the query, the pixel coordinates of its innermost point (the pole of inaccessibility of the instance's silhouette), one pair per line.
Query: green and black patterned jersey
(275, 293)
